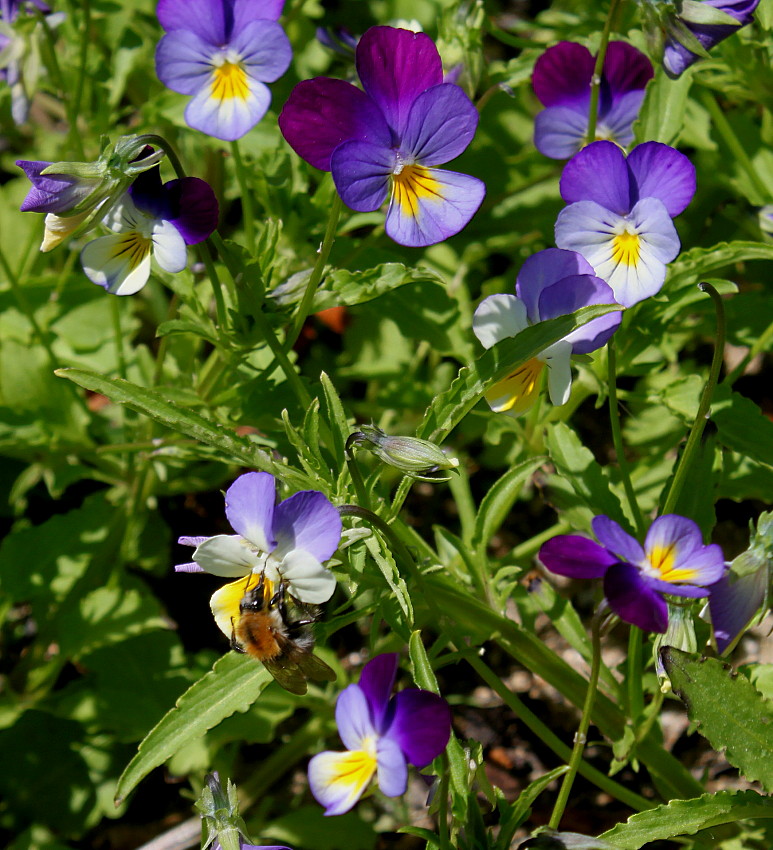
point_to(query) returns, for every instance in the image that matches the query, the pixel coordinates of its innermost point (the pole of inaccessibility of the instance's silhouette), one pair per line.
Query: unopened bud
(220, 815)
(415, 457)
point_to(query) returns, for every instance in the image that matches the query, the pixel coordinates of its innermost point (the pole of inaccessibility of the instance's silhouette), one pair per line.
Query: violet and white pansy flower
(562, 82)
(673, 561)
(382, 736)
(386, 141)
(287, 542)
(222, 52)
(620, 211)
(150, 220)
(550, 283)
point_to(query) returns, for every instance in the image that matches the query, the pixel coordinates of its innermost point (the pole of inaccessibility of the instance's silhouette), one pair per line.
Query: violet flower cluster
(673, 561)
(386, 139)
(382, 736)
(222, 53)
(562, 82)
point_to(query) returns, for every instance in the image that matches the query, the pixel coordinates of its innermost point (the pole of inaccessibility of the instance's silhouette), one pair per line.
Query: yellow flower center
(132, 247)
(662, 559)
(230, 81)
(517, 393)
(626, 248)
(412, 183)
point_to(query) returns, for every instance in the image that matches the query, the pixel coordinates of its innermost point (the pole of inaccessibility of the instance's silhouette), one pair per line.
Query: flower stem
(617, 437)
(399, 548)
(248, 210)
(693, 440)
(74, 103)
(595, 83)
(580, 737)
(736, 148)
(356, 476)
(316, 274)
(634, 683)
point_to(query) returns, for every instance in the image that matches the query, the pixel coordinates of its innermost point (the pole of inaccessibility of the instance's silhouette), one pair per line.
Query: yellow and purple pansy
(388, 139)
(222, 52)
(382, 736)
(550, 283)
(562, 82)
(620, 211)
(150, 220)
(673, 560)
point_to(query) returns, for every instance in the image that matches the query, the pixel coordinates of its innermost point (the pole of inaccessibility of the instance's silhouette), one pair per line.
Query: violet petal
(421, 725)
(633, 599)
(440, 125)
(307, 521)
(376, 681)
(659, 171)
(598, 173)
(249, 506)
(575, 556)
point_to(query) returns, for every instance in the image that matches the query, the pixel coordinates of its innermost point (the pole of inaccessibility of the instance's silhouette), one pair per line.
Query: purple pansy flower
(562, 80)
(388, 139)
(698, 27)
(673, 560)
(288, 541)
(222, 52)
(550, 283)
(150, 219)
(620, 211)
(382, 736)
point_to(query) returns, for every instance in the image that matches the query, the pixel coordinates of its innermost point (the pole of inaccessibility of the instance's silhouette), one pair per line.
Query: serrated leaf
(423, 674)
(153, 404)
(448, 409)
(661, 116)
(686, 817)
(388, 568)
(729, 712)
(233, 684)
(343, 287)
(498, 500)
(334, 413)
(306, 455)
(698, 263)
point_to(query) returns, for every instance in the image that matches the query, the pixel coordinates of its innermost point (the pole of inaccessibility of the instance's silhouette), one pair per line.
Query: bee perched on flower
(387, 140)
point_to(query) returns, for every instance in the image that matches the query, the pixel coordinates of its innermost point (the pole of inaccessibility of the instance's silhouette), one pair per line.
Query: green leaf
(661, 117)
(343, 287)
(742, 426)
(233, 684)
(513, 815)
(498, 500)
(153, 404)
(423, 674)
(577, 464)
(448, 409)
(388, 567)
(729, 712)
(334, 413)
(686, 817)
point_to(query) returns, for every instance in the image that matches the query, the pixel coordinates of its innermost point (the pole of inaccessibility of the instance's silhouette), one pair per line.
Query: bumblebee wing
(316, 669)
(288, 674)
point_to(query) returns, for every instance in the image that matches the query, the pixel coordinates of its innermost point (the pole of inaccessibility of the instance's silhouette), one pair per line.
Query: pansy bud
(415, 457)
(220, 814)
(84, 191)
(680, 633)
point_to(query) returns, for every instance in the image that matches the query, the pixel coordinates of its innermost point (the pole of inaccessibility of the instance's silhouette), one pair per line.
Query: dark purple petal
(392, 768)
(598, 173)
(562, 75)
(204, 17)
(543, 269)
(560, 131)
(307, 521)
(626, 69)
(322, 113)
(421, 725)
(395, 67)
(633, 599)
(732, 605)
(689, 591)
(661, 172)
(147, 194)
(361, 172)
(612, 537)
(377, 680)
(575, 556)
(249, 506)
(441, 124)
(571, 293)
(354, 718)
(194, 208)
(51, 194)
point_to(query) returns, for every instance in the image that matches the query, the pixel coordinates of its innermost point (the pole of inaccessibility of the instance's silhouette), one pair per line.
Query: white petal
(499, 317)
(226, 555)
(308, 580)
(169, 247)
(120, 263)
(125, 216)
(558, 360)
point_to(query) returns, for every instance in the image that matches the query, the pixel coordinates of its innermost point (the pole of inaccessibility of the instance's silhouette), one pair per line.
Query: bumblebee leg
(235, 645)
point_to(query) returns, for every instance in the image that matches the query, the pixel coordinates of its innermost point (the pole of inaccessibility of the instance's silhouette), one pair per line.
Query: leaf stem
(248, 209)
(693, 440)
(582, 731)
(598, 68)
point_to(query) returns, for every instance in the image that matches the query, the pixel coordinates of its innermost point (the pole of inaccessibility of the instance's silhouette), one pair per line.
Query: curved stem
(582, 731)
(634, 675)
(693, 440)
(75, 101)
(247, 206)
(316, 274)
(617, 437)
(595, 84)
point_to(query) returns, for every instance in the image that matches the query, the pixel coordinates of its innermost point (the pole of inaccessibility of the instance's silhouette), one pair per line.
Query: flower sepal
(694, 12)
